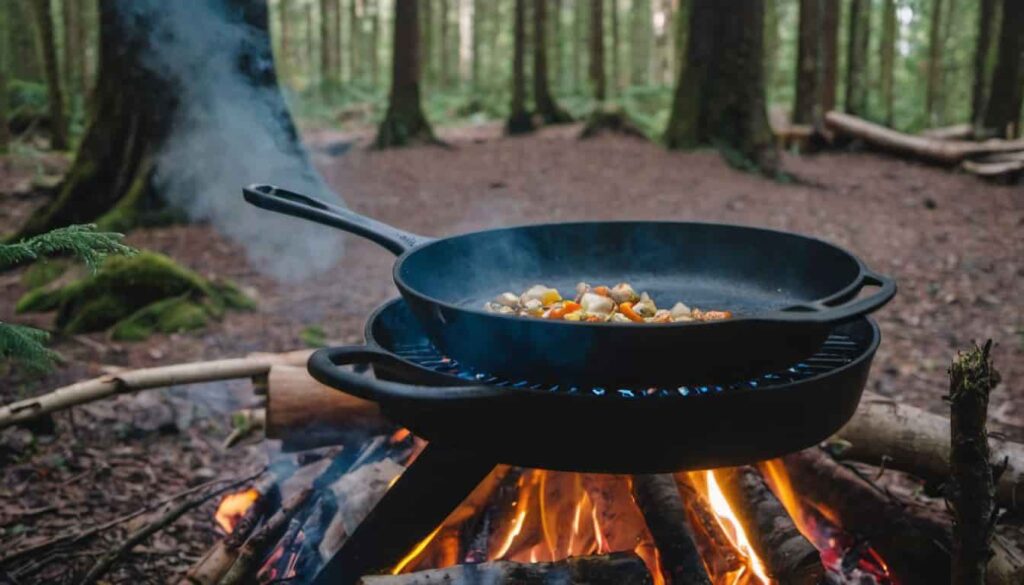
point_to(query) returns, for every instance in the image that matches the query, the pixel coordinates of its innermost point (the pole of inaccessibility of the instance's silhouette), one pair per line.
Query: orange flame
(233, 506)
(730, 523)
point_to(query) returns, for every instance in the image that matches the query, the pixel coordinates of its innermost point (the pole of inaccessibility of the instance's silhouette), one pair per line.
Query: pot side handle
(844, 306)
(302, 206)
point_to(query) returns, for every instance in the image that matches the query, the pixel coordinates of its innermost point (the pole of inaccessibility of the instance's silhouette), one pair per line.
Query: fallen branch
(142, 379)
(947, 152)
(614, 569)
(992, 169)
(954, 132)
(971, 378)
(788, 557)
(911, 439)
(106, 561)
(658, 498)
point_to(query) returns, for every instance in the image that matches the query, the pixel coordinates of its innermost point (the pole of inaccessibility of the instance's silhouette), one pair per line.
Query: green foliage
(26, 346)
(82, 242)
(313, 336)
(171, 315)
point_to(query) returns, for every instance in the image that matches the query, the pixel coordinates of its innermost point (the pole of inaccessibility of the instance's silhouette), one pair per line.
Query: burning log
(662, 506)
(712, 542)
(305, 414)
(914, 540)
(612, 569)
(910, 439)
(142, 379)
(971, 379)
(788, 556)
(939, 151)
(250, 553)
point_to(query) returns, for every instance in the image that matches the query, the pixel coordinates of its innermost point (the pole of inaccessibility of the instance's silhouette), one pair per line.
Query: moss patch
(43, 273)
(137, 296)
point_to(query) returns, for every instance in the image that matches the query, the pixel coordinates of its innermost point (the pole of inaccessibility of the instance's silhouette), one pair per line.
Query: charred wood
(255, 547)
(971, 378)
(788, 556)
(711, 540)
(658, 498)
(613, 569)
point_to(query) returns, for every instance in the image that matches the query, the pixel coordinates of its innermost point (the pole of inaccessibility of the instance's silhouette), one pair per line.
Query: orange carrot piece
(627, 310)
(566, 308)
(602, 290)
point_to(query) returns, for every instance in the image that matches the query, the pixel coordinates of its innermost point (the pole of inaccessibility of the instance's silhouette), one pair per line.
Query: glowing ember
(400, 435)
(233, 506)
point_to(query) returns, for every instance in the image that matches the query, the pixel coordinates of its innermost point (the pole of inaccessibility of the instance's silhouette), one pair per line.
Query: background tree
(984, 56)
(579, 40)
(640, 42)
(5, 132)
(404, 123)
(1003, 113)
(830, 54)
(543, 101)
(720, 96)
(806, 109)
(48, 56)
(934, 75)
(519, 119)
(888, 59)
(616, 48)
(355, 40)
(857, 57)
(328, 42)
(598, 81)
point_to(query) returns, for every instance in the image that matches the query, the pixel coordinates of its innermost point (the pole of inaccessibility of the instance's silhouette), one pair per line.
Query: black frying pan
(786, 291)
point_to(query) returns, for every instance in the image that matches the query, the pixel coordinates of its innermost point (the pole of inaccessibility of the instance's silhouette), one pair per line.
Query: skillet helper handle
(845, 306)
(325, 366)
(303, 206)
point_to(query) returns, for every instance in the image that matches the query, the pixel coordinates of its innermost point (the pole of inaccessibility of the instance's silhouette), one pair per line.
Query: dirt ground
(954, 243)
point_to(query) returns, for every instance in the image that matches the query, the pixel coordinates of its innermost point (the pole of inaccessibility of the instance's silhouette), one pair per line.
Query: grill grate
(837, 351)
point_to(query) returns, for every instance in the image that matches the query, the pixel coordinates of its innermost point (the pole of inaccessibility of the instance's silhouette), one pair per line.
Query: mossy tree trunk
(132, 109)
(43, 17)
(404, 123)
(720, 96)
(1003, 113)
(519, 119)
(544, 102)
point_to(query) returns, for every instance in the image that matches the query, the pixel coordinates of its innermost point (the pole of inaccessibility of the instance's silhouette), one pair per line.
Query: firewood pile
(993, 158)
(887, 500)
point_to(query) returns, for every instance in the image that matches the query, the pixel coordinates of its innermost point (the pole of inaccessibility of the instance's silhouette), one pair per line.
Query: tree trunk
(578, 39)
(556, 36)
(355, 35)
(984, 57)
(640, 42)
(475, 45)
(857, 57)
(543, 101)
(616, 46)
(86, 21)
(48, 55)
(404, 123)
(808, 63)
(519, 120)
(5, 129)
(934, 78)
(311, 68)
(327, 43)
(1003, 113)
(374, 41)
(140, 91)
(73, 51)
(25, 62)
(339, 42)
(286, 38)
(830, 54)
(888, 60)
(596, 67)
(720, 97)
(428, 65)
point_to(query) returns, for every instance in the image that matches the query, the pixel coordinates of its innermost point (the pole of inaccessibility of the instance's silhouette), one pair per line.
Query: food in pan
(618, 304)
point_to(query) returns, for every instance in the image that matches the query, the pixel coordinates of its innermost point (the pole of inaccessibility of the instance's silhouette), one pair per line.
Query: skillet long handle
(324, 366)
(303, 206)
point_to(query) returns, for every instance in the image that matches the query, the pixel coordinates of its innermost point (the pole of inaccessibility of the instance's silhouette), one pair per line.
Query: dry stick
(971, 378)
(134, 380)
(615, 569)
(658, 498)
(168, 518)
(253, 548)
(910, 439)
(788, 556)
(89, 533)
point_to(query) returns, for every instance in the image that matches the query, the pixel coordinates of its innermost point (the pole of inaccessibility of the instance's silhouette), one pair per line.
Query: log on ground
(613, 569)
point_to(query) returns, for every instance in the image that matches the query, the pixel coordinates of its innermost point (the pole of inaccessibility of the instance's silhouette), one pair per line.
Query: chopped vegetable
(599, 304)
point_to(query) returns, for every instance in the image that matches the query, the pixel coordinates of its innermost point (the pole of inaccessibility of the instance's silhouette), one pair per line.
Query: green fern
(26, 346)
(79, 241)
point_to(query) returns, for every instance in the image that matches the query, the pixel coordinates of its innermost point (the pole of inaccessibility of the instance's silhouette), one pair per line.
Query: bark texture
(58, 126)
(971, 379)
(857, 57)
(808, 74)
(662, 506)
(404, 123)
(934, 77)
(720, 97)
(543, 101)
(598, 81)
(984, 56)
(888, 59)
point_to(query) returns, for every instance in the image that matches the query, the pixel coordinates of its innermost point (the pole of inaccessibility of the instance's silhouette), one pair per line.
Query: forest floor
(953, 242)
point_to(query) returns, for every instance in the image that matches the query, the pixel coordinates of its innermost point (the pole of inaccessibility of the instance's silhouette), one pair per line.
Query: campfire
(747, 524)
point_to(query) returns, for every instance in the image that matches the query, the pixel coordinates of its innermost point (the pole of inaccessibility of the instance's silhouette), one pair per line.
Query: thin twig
(107, 561)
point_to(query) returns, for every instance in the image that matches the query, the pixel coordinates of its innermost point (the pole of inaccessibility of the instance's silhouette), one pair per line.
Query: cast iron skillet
(584, 432)
(786, 292)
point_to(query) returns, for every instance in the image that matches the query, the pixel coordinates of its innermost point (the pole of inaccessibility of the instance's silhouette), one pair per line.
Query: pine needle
(26, 346)
(79, 241)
